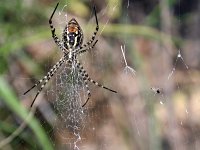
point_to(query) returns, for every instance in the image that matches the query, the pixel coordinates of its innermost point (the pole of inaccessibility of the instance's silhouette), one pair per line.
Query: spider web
(157, 106)
(135, 115)
(67, 95)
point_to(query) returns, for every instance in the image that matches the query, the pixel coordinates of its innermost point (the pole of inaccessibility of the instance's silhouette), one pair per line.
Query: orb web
(140, 98)
(139, 104)
(157, 105)
(67, 95)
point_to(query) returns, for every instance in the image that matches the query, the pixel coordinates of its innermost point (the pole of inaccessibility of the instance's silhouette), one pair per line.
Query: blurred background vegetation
(153, 33)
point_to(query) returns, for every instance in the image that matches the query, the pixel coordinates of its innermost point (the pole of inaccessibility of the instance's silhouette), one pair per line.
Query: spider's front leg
(93, 37)
(56, 39)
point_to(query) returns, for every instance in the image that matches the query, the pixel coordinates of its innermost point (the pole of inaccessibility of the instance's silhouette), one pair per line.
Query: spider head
(72, 35)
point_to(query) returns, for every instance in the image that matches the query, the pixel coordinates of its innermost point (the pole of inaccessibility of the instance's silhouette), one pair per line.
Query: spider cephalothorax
(72, 35)
(71, 46)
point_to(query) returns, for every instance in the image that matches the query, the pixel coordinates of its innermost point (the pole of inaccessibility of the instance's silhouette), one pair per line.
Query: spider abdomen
(72, 35)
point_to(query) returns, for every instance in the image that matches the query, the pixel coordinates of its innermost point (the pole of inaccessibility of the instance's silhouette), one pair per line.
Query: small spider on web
(71, 46)
(158, 91)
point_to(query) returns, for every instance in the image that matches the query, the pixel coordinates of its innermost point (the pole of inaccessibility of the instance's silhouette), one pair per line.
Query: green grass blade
(8, 96)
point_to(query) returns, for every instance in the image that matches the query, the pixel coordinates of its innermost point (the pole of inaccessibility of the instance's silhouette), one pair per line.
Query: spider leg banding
(86, 78)
(46, 78)
(71, 46)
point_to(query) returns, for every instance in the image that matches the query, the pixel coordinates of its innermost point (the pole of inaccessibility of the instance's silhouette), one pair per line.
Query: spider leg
(49, 76)
(56, 39)
(94, 34)
(100, 85)
(49, 73)
(86, 77)
(86, 85)
(88, 91)
(46, 78)
(87, 49)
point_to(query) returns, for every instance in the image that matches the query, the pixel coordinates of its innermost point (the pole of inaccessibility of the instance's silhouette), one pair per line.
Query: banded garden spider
(71, 46)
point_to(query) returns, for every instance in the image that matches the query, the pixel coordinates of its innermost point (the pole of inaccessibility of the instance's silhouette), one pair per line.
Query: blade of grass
(12, 102)
(10, 128)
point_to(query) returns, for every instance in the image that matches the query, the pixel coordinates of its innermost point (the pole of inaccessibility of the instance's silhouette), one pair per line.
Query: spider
(71, 46)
